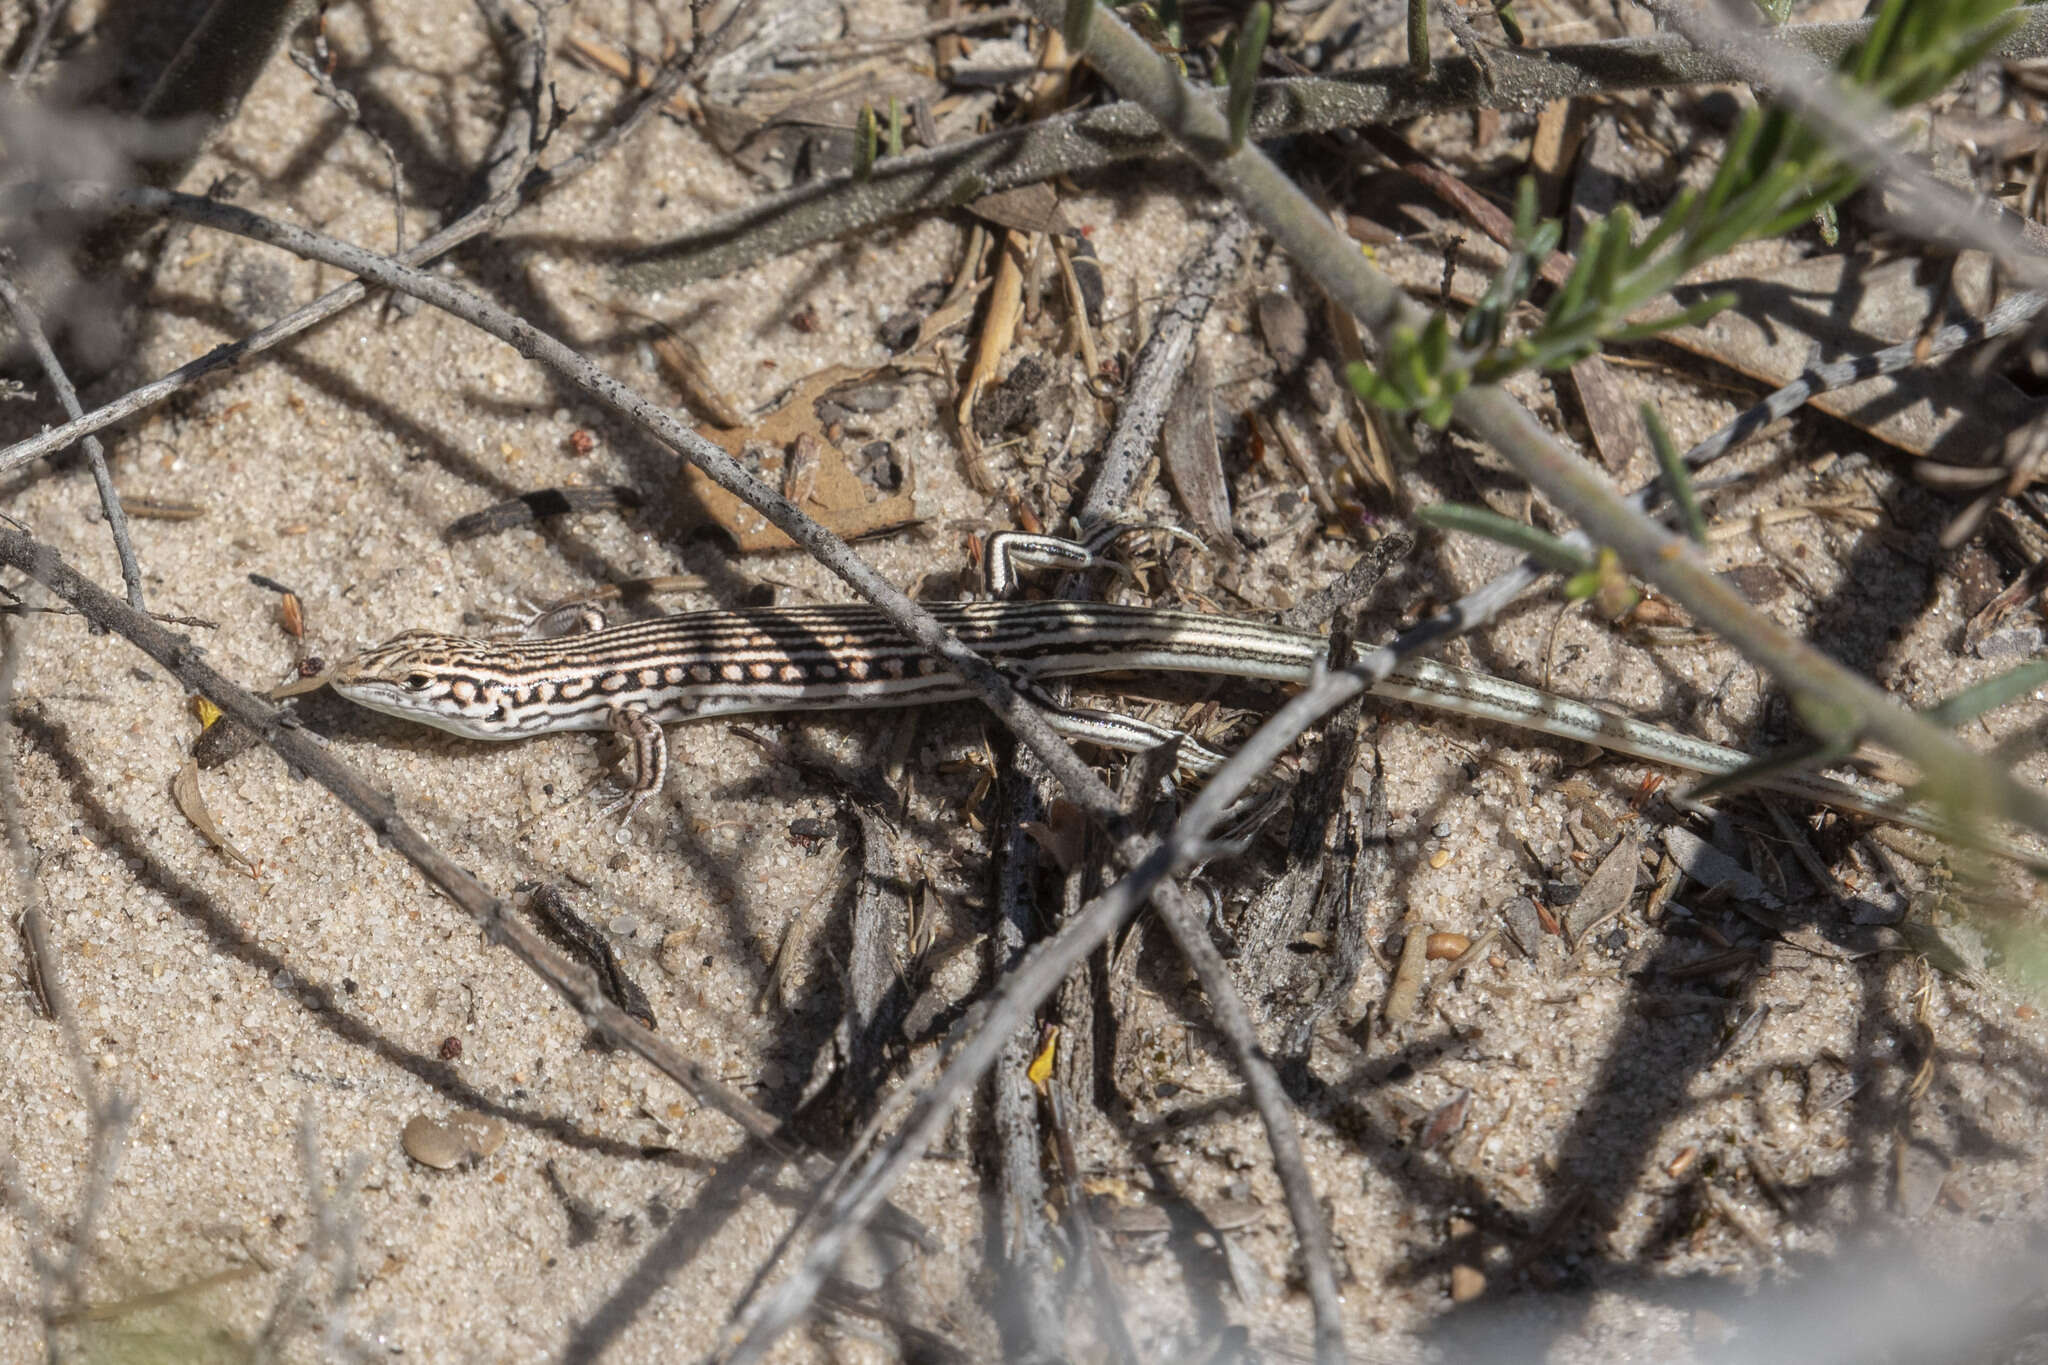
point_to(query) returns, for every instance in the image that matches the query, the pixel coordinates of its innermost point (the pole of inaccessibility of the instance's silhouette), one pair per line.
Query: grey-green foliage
(1775, 175)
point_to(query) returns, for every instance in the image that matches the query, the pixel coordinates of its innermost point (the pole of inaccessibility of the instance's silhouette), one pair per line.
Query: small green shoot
(1244, 69)
(867, 141)
(1972, 702)
(1545, 548)
(1079, 19)
(1676, 477)
(1159, 25)
(1605, 584)
(1510, 24)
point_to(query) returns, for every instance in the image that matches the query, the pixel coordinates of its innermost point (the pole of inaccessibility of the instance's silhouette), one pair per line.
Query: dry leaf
(1785, 318)
(1606, 893)
(1616, 428)
(998, 332)
(1193, 460)
(831, 493)
(1404, 992)
(1028, 208)
(185, 792)
(1040, 1070)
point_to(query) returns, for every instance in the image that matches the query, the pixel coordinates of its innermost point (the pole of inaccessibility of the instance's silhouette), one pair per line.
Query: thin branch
(862, 44)
(31, 329)
(1468, 38)
(1092, 139)
(48, 12)
(352, 111)
(1159, 366)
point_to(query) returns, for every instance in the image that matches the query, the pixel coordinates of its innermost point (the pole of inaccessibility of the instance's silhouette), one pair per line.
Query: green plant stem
(1419, 63)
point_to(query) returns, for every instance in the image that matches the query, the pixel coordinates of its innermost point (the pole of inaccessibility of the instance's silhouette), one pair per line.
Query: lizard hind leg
(649, 746)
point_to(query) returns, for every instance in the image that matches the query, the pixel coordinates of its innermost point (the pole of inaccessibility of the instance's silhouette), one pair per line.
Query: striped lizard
(635, 678)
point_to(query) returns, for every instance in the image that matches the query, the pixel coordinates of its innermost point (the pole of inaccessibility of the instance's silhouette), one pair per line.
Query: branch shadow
(323, 1005)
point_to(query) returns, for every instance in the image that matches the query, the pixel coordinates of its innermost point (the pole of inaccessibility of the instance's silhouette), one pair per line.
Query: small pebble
(1467, 1283)
(1920, 1176)
(674, 954)
(1446, 945)
(444, 1144)
(898, 330)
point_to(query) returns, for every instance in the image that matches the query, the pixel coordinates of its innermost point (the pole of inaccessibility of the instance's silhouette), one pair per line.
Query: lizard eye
(418, 682)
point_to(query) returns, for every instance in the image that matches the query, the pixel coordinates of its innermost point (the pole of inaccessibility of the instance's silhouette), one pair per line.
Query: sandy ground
(275, 1032)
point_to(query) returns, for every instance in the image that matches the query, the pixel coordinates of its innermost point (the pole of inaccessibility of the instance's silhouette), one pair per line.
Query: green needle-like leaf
(1677, 478)
(1967, 705)
(1074, 25)
(1244, 69)
(1592, 242)
(1511, 25)
(866, 142)
(1418, 39)
(1799, 758)
(1541, 545)
(1370, 385)
(1436, 345)
(1692, 315)
(1619, 241)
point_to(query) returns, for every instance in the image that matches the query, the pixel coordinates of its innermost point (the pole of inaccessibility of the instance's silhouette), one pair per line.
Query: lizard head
(445, 681)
